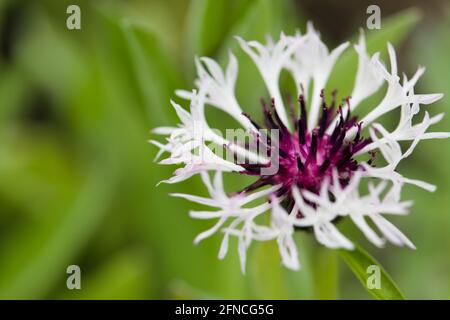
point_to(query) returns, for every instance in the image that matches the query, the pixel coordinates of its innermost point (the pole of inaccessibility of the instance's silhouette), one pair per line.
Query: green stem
(325, 271)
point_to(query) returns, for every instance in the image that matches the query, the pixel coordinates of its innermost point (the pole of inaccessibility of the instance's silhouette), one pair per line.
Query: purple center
(306, 158)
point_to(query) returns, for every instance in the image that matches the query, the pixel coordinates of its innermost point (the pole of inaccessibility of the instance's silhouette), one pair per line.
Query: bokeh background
(77, 177)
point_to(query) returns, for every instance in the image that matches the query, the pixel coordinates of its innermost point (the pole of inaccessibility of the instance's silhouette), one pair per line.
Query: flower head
(311, 165)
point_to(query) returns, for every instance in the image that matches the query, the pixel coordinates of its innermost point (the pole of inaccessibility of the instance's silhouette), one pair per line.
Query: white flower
(406, 130)
(219, 87)
(313, 61)
(397, 95)
(320, 218)
(281, 229)
(320, 175)
(368, 80)
(270, 60)
(348, 202)
(229, 207)
(392, 153)
(319, 61)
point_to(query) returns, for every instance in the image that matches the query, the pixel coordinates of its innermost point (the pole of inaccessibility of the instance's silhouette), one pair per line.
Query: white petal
(288, 252)
(163, 130)
(429, 98)
(368, 232)
(392, 58)
(184, 94)
(242, 250)
(391, 232)
(214, 69)
(232, 69)
(368, 80)
(197, 199)
(211, 231)
(259, 194)
(184, 116)
(328, 235)
(224, 246)
(206, 214)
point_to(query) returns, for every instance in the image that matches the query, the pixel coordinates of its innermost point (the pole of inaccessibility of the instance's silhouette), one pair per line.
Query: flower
(310, 169)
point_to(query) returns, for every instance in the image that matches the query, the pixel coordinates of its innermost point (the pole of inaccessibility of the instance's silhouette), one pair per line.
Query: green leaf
(266, 273)
(269, 279)
(154, 70)
(209, 22)
(134, 55)
(123, 276)
(206, 25)
(181, 290)
(263, 17)
(300, 283)
(325, 273)
(38, 255)
(358, 261)
(12, 89)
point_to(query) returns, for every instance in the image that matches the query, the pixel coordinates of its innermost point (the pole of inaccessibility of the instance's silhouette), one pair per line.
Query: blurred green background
(77, 180)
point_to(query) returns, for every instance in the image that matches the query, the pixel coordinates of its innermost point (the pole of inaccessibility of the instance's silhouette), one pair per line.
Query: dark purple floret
(305, 157)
